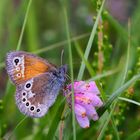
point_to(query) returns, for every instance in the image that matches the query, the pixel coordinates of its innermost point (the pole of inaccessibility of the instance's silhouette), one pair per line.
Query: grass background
(102, 45)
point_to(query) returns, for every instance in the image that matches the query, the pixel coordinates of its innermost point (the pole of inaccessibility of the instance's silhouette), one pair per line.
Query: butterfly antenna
(62, 54)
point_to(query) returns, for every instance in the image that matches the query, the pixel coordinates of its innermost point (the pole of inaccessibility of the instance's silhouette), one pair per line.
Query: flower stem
(71, 71)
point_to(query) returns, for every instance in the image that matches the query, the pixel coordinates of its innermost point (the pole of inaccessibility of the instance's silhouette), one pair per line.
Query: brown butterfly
(37, 82)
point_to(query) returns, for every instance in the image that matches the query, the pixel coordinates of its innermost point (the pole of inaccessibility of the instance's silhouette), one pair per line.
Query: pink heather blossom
(86, 99)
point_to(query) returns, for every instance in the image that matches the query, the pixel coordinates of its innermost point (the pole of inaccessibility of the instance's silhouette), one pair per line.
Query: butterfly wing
(22, 66)
(36, 95)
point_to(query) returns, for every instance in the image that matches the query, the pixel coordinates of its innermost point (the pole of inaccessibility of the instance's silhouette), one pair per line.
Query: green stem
(71, 71)
(23, 26)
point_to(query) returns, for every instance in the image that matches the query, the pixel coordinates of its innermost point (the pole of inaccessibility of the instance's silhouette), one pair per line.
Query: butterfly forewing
(22, 66)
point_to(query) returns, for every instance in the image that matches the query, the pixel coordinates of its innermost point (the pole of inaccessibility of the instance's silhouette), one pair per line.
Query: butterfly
(37, 82)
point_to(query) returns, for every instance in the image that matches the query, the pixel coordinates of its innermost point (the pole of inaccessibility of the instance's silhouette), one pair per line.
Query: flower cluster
(86, 99)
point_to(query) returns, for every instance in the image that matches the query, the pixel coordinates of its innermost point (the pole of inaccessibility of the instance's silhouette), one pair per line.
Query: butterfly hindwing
(22, 66)
(35, 96)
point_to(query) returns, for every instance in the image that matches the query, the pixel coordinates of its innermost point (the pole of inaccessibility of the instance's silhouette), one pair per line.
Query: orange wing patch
(33, 67)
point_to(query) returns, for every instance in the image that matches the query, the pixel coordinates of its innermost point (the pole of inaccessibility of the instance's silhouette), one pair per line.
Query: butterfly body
(37, 82)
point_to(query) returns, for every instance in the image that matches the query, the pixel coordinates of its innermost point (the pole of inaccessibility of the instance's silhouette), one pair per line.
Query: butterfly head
(61, 73)
(62, 70)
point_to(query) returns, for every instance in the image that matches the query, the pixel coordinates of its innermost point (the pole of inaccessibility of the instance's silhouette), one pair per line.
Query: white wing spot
(30, 94)
(22, 66)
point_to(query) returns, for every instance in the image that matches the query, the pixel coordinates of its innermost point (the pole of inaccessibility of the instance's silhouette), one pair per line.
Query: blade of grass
(118, 92)
(129, 100)
(105, 74)
(11, 134)
(134, 136)
(59, 44)
(100, 136)
(127, 57)
(32, 30)
(89, 67)
(55, 121)
(23, 26)
(89, 45)
(2, 65)
(71, 70)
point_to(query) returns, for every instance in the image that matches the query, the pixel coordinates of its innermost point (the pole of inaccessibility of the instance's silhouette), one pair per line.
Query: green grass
(71, 70)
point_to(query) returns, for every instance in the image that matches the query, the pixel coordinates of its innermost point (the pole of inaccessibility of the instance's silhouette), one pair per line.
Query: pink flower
(86, 99)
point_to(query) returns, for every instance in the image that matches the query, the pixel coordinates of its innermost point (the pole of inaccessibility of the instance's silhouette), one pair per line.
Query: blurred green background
(45, 35)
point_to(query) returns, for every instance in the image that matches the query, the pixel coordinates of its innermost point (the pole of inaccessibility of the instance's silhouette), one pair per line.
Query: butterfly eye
(18, 75)
(28, 85)
(38, 110)
(32, 108)
(16, 61)
(18, 69)
(24, 93)
(27, 104)
(24, 99)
